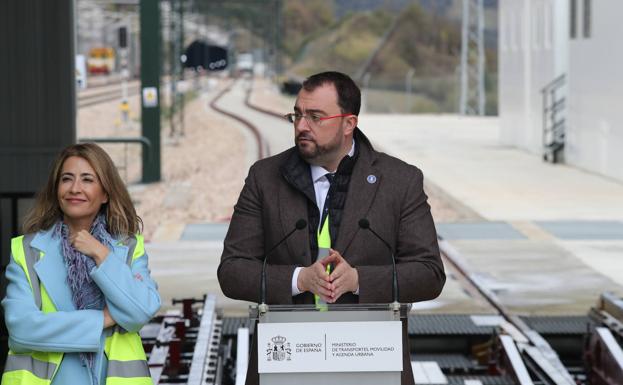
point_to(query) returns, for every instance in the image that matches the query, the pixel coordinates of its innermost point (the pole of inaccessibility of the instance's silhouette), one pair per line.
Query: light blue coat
(131, 295)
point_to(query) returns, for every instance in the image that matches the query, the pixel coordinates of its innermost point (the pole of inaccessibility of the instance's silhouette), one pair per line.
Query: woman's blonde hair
(121, 217)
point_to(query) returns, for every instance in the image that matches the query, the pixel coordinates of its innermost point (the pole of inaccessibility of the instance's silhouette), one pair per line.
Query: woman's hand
(85, 243)
(108, 321)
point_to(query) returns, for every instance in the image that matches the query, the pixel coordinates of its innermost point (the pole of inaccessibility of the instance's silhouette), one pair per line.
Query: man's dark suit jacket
(396, 206)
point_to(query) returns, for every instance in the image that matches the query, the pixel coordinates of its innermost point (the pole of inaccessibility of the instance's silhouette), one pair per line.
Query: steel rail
(247, 102)
(112, 91)
(540, 355)
(254, 130)
(105, 96)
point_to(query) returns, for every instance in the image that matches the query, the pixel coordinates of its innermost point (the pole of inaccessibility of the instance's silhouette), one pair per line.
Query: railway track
(105, 93)
(111, 91)
(262, 148)
(535, 352)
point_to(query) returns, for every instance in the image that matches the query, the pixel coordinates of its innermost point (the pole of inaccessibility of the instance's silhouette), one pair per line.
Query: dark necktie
(325, 210)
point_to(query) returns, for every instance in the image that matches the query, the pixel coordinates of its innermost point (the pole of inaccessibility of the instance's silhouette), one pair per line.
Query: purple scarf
(85, 294)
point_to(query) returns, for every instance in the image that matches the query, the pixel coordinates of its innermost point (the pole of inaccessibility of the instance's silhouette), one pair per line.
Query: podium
(359, 344)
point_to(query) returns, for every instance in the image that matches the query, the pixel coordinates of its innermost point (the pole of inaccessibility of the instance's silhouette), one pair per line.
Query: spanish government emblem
(278, 349)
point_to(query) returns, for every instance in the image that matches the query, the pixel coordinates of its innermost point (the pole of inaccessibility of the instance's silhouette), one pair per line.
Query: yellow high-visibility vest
(324, 244)
(127, 363)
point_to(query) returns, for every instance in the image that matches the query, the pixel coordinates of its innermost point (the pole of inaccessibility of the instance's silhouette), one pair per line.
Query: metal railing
(554, 121)
(145, 142)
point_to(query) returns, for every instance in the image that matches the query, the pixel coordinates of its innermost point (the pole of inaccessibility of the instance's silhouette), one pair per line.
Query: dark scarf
(85, 294)
(296, 172)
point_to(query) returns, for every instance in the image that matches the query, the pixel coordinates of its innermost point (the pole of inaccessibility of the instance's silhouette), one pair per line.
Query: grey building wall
(542, 39)
(37, 106)
(595, 134)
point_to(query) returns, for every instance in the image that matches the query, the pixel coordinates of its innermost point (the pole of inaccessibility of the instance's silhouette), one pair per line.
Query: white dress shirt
(321, 188)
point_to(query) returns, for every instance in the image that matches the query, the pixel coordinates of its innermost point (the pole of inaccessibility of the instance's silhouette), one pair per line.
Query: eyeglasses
(311, 119)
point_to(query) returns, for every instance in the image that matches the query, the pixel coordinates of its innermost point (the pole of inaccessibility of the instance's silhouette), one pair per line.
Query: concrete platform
(186, 269)
(552, 236)
(463, 156)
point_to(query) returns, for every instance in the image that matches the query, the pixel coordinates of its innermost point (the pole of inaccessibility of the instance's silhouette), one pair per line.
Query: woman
(78, 284)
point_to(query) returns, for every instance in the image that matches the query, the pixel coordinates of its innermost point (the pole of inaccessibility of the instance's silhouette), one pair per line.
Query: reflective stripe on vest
(136, 248)
(126, 359)
(41, 369)
(127, 362)
(26, 257)
(22, 377)
(135, 368)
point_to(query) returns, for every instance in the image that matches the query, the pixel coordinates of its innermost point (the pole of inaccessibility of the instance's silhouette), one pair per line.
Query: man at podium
(311, 212)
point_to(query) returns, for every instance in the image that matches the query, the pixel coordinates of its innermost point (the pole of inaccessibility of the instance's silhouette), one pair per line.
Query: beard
(316, 154)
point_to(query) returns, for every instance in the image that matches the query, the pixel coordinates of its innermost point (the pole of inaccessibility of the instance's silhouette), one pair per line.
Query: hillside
(345, 46)
(414, 70)
(426, 48)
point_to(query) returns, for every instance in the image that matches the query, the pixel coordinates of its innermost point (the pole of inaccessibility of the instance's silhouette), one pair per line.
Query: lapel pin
(371, 179)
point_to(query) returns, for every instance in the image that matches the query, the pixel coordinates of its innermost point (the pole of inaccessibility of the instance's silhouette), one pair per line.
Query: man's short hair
(348, 94)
